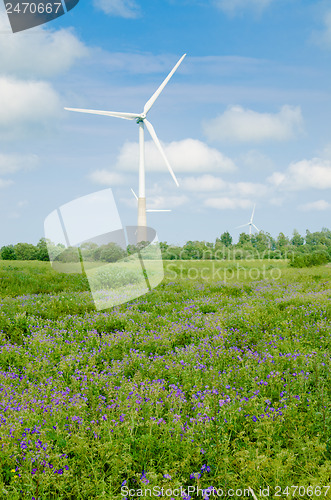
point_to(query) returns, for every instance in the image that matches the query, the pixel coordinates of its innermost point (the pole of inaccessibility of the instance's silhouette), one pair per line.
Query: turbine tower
(141, 120)
(250, 224)
(149, 209)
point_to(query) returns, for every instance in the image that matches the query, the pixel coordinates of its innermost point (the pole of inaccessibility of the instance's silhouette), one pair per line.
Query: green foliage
(257, 246)
(42, 250)
(111, 252)
(172, 253)
(236, 365)
(8, 253)
(112, 277)
(244, 239)
(226, 239)
(68, 255)
(14, 329)
(224, 360)
(21, 278)
(25, 251)
(297, 240)
(309, 259)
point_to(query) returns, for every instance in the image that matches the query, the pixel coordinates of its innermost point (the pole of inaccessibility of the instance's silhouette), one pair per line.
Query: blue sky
(245, 120)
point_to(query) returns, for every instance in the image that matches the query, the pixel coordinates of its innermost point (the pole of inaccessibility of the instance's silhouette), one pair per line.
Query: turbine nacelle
(140, 118)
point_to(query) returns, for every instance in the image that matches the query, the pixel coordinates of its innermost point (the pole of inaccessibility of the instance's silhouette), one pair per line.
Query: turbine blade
(252, 214)
(243, 225)
(256, 227)
(156, 94)
(125, 116)
(134, 194)
(151, 130)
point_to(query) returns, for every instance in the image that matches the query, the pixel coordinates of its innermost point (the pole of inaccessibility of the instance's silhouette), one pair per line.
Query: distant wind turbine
(141, 120)
(250, 224)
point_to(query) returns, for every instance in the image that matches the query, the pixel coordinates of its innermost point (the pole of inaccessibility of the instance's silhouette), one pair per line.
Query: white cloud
(252, 189)
(120, 8)
(276, 201)
(13, 215)
(203, 183)
(136, 63)
(5, 183)
(45, 53)
(210, 183)
(315, 205)
(25, 103)
(22, 203)
(304, 174)
(323, 37)
(227, 203)
(12, 163)
(17, 213)
(107, 178)
(245, 125)
(158, 201)
(188, 155)
(166, 202)
(149, 63)
(256, 160)
(233, 6)
(326, 152)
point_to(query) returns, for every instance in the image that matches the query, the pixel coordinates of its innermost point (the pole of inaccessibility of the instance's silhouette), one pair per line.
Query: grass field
(220, 377)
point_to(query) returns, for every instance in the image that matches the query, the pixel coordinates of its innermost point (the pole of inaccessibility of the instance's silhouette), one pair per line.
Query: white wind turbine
(250, 224)
(141, 120)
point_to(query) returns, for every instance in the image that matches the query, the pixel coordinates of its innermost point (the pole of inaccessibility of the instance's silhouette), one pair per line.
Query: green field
(220, 377)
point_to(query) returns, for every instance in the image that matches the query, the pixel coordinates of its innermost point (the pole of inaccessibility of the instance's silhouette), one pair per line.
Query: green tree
(261, 242)
(297, 240)
(220, 252)
(191, 250)
(226, 239)
(112, 252)
(243, 239)
(313, 240)
(282, 244)
(55, 250)
(272, 242)
(87, 250)
(26, 251)
(69, 255)
(8, 253)
(42, 250)
(173, 253)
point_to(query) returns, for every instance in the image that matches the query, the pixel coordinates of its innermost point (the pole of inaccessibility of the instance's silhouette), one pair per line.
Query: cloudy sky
(245, 120)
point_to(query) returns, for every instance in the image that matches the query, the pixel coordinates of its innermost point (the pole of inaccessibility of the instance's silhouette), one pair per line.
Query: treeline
(25, 251)
(45, 250)
(311, 249)
(307, 250)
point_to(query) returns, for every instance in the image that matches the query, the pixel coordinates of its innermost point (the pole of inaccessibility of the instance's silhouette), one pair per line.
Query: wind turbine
(141, 120)
(150, 209)
(250, 224)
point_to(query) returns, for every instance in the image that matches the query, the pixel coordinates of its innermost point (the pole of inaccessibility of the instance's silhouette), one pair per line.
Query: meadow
(218, 378)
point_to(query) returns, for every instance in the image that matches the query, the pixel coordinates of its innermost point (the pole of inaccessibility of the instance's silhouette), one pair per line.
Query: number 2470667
(33, 8)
